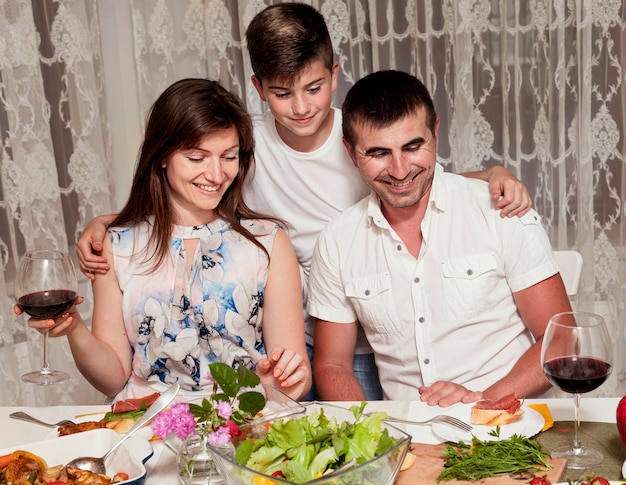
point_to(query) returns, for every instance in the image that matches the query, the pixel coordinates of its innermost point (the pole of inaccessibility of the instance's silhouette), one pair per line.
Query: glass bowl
(381, 470)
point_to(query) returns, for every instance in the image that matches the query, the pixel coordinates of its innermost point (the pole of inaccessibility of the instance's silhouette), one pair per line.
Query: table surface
(161, 467)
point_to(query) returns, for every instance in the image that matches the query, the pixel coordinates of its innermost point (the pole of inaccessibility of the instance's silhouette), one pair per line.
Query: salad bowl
(391, 445)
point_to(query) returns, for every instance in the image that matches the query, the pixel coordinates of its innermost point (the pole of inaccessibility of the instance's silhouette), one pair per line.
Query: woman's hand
(443, 393)
(285, 369)
(56, 327)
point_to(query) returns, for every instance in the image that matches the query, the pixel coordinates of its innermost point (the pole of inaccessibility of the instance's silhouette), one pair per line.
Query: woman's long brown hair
(180, 118)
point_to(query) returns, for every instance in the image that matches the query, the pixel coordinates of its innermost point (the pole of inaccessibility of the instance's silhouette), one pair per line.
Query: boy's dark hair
(382, 98)
(284, 39)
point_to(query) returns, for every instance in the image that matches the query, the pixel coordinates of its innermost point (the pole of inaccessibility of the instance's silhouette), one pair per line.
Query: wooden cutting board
(429, 465)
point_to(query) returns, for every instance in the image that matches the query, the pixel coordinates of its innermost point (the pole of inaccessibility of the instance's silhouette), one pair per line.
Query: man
(452, 297)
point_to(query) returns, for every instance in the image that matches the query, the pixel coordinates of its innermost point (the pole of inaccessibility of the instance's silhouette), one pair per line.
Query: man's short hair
(382, 98)
(285, 39)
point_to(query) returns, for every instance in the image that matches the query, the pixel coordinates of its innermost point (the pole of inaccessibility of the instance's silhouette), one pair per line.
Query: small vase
(195, 465)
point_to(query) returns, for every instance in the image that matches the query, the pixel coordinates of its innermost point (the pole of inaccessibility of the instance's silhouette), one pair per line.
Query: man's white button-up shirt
(447, 315)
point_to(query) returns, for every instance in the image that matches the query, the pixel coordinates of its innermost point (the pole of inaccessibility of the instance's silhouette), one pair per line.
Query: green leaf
(251, 402)
(247, 378)
(225, 377)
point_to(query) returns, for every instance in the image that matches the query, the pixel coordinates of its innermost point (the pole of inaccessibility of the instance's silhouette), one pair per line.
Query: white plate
(528, 425)
(130, 458)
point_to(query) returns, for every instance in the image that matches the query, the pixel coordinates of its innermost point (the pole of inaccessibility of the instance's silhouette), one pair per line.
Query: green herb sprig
(483, 459)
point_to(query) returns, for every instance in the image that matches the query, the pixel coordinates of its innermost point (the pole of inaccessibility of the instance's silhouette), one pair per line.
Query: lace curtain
(536, 86)
(54, 156)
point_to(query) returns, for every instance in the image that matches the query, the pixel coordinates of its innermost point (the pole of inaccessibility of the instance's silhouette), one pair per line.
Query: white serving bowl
(129, 458)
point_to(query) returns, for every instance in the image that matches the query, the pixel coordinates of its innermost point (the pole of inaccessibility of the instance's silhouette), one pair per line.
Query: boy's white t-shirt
(304, 189)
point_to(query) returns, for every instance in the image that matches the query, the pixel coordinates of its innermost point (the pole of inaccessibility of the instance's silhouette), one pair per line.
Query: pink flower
(224, 410)
(220, 436)
(177, 419)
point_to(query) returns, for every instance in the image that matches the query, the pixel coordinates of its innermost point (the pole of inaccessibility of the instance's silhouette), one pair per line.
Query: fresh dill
(482, 459)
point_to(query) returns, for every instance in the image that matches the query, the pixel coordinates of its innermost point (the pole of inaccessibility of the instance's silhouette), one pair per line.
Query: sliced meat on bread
(497, 412)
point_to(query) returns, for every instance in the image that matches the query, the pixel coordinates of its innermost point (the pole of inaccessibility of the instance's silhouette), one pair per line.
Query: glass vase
(195, 465)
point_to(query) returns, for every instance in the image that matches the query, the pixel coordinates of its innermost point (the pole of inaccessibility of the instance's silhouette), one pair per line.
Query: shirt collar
(438, 200)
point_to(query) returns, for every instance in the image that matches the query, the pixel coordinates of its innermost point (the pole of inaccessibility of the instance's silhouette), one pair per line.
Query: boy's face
(301, 109)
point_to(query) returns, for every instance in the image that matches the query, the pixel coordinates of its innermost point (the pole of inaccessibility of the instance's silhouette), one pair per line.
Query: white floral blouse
(179, 321)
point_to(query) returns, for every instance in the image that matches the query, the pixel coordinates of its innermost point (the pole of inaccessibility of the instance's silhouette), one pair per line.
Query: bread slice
(497, 412)
(494, 417)
(121, 425)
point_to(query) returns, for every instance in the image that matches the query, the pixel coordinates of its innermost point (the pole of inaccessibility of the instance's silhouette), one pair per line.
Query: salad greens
(303, 449)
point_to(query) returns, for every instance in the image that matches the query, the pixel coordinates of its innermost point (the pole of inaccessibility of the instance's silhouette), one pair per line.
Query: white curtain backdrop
(537, 86)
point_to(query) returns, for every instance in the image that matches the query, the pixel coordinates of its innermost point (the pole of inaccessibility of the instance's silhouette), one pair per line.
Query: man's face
(397, 161)
(301, 110)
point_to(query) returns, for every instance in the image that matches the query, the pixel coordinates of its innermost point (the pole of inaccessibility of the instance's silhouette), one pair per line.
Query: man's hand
(511, 195)
(444, 394)
(89, 247)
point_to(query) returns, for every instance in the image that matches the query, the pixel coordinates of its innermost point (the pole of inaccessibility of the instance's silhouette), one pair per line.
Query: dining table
(161, 466)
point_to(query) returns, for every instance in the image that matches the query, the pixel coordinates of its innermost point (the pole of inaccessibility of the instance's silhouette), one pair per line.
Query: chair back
(570, 266)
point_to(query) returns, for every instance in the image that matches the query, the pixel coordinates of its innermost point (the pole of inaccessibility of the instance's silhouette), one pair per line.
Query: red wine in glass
(47, 303)
(577, 374)
(46, 287)
(577, 357)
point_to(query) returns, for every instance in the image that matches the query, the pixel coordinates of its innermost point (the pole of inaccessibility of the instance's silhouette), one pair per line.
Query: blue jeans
(365, 371)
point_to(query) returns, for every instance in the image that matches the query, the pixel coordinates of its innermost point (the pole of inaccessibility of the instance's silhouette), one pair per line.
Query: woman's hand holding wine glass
(577, 356)
(45, 288)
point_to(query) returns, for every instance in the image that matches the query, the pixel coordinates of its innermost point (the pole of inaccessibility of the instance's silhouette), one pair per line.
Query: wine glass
(577, 356)
(45, 287)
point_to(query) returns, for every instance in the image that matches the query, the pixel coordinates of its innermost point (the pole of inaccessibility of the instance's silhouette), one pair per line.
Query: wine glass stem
(576, 444)
(45, 367)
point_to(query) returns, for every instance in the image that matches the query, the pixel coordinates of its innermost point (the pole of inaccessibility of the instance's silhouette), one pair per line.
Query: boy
(303, 173)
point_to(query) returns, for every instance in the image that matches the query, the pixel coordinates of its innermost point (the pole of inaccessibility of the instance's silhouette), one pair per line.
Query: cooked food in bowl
(45, 458)
(25, 468)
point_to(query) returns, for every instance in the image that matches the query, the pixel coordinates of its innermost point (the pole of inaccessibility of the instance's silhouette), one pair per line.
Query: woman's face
(198, 177)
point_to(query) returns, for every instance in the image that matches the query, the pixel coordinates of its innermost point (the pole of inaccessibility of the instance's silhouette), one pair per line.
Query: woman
(198, 276)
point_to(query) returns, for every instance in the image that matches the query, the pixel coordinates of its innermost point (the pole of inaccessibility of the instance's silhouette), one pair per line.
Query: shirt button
(399, 247)
(426, 361)
(420, 319)
(416, 280)
(367, 292)
(470, 272)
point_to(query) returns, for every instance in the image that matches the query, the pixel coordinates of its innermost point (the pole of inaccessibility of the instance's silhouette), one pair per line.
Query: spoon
(96, 465)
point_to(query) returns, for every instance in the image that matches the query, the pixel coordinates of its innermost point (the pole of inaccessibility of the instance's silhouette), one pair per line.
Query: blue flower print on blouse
(180, 320)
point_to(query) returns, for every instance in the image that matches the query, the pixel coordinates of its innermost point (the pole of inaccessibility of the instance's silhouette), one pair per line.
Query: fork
(441, 418)
(30, 419)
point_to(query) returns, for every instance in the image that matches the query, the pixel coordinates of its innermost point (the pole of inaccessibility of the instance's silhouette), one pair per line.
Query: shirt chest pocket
(468, 282)
(372, 298)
